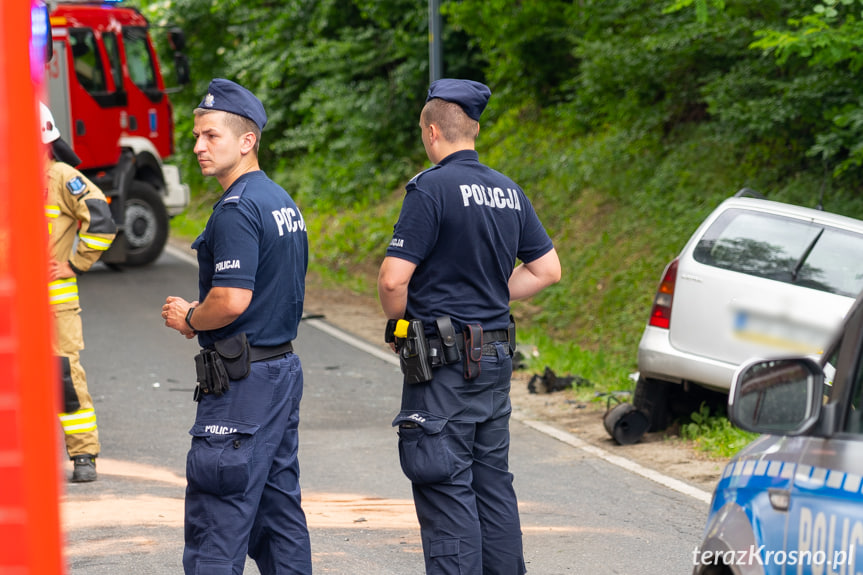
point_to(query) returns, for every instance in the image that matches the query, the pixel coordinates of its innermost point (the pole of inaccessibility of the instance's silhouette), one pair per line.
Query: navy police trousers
(243, 492)
(454, 447)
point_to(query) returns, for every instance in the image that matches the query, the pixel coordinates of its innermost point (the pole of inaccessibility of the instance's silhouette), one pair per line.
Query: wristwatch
(189, 320)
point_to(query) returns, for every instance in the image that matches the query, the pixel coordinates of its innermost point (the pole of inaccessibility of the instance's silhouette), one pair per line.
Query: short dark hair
(239, 125)
(454, 123)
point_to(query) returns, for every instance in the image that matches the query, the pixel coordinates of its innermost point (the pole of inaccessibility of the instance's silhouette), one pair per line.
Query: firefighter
(76, 210)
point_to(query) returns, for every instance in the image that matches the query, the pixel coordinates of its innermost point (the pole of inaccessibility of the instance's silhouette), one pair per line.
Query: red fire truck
(108, 98)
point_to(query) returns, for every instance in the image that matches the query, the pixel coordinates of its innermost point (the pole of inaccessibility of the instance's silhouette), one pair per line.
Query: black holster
(414, 354)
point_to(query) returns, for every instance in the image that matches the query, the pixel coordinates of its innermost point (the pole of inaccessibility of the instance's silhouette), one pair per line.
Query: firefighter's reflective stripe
(62, 291)
(79, 422)
(52, 213)
(96, 243)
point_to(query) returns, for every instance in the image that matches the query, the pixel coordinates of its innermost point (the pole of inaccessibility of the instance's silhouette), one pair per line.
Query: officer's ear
(434, 132)
(247, 142)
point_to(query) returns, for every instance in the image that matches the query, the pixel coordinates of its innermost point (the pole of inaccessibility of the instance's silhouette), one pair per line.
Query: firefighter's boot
(85, 468)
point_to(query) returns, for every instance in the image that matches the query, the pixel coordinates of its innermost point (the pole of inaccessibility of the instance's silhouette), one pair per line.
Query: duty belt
(489, 338)
(258, 353)
(263, 353)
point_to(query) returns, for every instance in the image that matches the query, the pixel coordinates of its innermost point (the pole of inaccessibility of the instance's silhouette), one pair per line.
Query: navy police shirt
(464, 225)
(256, 239)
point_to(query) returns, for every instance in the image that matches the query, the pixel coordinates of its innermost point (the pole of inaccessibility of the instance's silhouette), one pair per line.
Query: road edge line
(339, 334)
(628, 464)
(180, 253)
(565, 437)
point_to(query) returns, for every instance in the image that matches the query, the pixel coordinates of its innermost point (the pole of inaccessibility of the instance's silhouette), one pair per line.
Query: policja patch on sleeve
(76, 186)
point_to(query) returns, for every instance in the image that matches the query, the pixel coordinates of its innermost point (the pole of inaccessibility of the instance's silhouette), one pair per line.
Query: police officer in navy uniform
(461, 230)
(243, 491)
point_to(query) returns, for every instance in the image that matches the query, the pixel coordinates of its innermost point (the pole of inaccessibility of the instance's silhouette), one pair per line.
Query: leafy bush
(713, 433)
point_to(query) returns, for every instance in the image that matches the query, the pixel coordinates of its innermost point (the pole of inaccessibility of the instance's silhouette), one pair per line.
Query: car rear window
(785, 249)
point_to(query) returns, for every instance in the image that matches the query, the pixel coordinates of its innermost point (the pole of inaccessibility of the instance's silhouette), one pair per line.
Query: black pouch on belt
(211, 374)
(447, 339)
(201, 376)
(472, 350)
(235, 355)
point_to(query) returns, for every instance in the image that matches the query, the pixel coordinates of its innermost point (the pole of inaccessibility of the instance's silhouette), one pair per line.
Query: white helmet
(46, 123)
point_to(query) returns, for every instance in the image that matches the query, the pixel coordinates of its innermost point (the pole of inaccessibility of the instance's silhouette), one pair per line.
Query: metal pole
(435, 49)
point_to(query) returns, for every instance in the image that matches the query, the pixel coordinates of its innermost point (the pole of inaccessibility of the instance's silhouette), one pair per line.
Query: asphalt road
(580, 513)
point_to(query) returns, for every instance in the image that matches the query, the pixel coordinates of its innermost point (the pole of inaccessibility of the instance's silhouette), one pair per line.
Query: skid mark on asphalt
(344, 510)
(323, 510)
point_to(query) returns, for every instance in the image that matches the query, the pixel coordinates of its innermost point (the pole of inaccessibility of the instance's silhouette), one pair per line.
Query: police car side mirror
(777, 396)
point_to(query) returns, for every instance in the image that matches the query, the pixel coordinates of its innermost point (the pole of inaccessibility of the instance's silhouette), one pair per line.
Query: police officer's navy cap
(229, 96)
(470, 95)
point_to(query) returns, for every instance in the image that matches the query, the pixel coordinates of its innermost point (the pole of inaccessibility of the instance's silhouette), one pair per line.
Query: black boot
(85, 468)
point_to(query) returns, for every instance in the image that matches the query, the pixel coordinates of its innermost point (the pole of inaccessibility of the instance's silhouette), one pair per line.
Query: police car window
(112, 48)
(86, 60)
(138, 58)
(785, 249)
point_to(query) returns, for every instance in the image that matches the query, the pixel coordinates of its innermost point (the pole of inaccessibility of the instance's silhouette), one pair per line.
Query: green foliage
(701, 7)
(528, 45)
(713, 433)
(826, 96)
(343, 83)
(625, 121)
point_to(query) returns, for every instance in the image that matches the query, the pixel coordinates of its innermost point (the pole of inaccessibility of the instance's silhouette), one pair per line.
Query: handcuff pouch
(236, 355)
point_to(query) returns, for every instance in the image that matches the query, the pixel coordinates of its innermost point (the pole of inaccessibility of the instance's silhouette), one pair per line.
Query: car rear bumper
(658, 359)
(177, 193)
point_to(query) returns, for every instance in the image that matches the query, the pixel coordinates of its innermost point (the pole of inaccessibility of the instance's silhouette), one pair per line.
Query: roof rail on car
(749, 192)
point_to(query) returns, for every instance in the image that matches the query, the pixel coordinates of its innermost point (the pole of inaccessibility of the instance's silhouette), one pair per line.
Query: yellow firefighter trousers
(79, 427)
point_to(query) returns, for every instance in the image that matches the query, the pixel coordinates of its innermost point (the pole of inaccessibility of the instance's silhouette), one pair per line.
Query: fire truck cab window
(139, 59)
(88, 63)
(112, 49)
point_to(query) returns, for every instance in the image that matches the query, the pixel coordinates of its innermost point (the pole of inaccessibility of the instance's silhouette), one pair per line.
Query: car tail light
(660, 314)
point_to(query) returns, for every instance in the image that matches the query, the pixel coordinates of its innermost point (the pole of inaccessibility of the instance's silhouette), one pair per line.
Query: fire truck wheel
(146, 226)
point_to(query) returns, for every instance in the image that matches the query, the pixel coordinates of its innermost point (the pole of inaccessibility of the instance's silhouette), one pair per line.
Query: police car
(792, 501)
